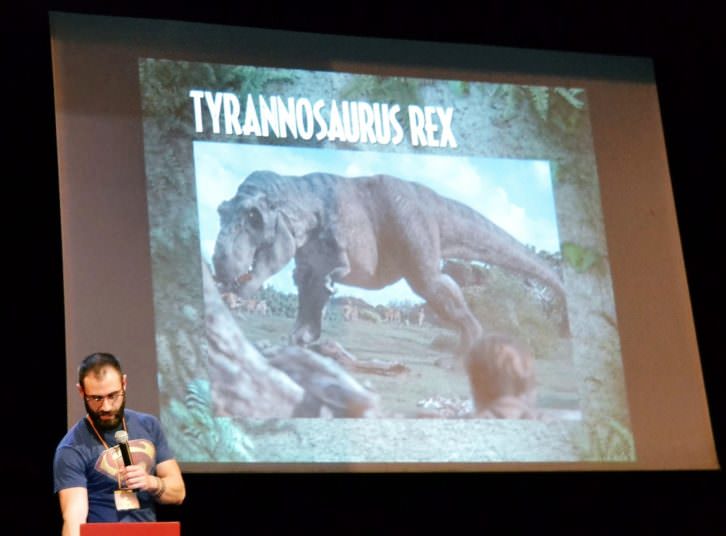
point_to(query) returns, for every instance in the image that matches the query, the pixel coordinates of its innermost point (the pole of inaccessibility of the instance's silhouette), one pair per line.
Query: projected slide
(351, 268)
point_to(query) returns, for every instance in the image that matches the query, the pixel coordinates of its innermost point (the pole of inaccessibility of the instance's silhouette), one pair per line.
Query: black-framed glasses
(97, 400)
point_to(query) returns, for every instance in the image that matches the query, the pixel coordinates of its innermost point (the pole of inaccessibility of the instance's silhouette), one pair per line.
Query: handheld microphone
(123, 444)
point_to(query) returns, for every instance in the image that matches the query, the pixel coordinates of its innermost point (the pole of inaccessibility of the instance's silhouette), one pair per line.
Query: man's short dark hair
(95, 362)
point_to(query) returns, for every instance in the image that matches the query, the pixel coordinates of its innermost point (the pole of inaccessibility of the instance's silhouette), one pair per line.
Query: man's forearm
(74, 509)
(169, 490)
(71, 528)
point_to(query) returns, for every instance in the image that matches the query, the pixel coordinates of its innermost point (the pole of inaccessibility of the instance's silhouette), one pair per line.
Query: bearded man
(93, 481)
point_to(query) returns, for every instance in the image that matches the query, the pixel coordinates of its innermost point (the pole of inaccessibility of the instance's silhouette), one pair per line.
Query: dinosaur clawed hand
(330, 285)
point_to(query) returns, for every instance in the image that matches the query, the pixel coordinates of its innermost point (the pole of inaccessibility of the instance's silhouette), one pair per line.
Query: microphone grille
(121, 436)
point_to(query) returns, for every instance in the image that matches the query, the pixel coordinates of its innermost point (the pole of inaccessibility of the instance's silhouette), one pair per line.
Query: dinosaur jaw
(245, 283)
(246, 277)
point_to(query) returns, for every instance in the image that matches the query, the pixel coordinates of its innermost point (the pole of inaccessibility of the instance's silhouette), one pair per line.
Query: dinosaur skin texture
(367, 232)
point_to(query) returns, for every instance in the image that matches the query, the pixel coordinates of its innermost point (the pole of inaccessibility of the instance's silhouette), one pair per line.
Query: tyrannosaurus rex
(367, 232)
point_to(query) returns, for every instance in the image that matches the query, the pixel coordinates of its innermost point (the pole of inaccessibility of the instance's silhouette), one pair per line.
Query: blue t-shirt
(82, 461)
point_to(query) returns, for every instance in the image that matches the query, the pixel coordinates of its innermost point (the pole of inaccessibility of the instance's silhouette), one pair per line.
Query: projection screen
(316, 252)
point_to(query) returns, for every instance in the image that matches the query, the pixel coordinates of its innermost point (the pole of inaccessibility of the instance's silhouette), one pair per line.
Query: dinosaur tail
(469, 236)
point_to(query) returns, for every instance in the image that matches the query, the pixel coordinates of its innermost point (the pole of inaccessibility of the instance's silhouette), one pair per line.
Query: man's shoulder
(132, 414)
(146, 425)
(75, 434)
(74, 450)
(147, 421)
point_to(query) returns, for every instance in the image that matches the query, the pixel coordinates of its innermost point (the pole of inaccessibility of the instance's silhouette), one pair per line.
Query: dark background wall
(686, 42)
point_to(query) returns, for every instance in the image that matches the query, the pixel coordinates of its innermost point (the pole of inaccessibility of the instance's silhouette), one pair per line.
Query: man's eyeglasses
(97, 400)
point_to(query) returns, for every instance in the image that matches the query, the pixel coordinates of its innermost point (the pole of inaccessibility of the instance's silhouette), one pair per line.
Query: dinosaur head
(254, 242)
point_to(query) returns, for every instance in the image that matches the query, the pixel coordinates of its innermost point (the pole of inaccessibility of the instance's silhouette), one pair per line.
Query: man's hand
(136, 477)
(167, 486)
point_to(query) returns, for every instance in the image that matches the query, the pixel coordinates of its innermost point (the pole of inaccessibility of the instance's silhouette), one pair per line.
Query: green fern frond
(579, 257)
(376, 88)
(540, 97)
(571, 96)
(200, 436)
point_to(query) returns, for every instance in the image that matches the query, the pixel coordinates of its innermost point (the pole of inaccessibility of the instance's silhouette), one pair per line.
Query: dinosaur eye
(254, 219)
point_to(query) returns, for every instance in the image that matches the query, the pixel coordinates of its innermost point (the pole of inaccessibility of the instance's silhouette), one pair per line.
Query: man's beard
(106, 424)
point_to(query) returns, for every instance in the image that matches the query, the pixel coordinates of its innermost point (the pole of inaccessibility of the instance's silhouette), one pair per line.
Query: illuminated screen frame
(631, 190)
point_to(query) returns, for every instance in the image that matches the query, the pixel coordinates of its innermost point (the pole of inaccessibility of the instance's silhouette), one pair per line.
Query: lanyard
(99, 436)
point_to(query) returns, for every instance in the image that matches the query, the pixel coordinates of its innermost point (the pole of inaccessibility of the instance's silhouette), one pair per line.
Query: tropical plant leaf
(570, 95)
(579, 257)
(540, 97)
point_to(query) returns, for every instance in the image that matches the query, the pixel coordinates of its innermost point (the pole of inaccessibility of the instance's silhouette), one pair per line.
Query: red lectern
(161, 528)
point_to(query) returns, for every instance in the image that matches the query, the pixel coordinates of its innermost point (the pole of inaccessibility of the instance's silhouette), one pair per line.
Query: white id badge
(126, 499)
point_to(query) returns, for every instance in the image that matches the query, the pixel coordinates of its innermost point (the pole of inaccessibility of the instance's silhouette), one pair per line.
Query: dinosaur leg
(318, 266)
(445, 297)
(313, 294)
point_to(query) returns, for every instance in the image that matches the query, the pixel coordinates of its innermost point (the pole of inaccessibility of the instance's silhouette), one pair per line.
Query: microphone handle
(125, 453)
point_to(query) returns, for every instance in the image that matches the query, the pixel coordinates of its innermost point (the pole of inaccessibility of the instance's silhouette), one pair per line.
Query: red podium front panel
(165, 528)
